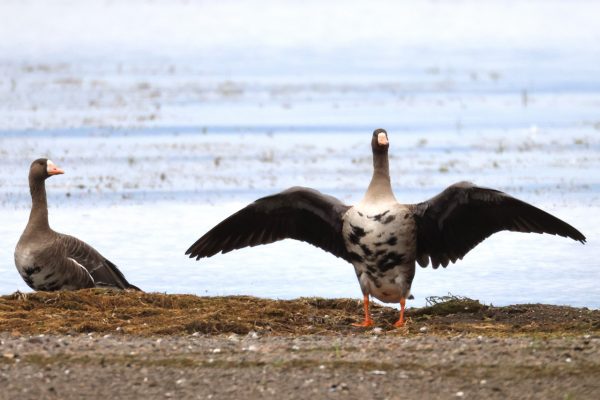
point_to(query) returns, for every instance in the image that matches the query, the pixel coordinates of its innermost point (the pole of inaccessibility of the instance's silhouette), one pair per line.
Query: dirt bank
(102, 344)
(104, 311)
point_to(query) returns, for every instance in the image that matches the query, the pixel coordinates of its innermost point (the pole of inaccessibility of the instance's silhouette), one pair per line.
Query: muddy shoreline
(100, 344)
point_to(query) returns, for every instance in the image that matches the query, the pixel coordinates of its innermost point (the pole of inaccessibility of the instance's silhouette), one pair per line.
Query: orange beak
(382, 139)
(53, 169)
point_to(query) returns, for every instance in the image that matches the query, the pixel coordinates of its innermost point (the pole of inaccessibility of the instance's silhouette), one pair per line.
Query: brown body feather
(48, 260)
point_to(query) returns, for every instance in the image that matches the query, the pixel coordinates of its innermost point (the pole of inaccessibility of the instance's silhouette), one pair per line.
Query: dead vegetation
(105, 311)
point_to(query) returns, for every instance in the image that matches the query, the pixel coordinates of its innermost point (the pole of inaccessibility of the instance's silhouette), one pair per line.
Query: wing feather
(297, 213)
(102, 270)
(452, 223)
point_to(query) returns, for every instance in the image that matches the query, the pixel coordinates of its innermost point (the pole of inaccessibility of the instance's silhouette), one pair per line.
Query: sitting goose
(49, 260)
(379, 236)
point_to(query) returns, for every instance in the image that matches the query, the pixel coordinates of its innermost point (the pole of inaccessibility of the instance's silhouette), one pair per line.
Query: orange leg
(368, 321)
(401, 321)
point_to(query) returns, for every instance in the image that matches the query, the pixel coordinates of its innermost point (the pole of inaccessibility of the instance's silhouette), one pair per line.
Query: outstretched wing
(297, 213)
(452, 223)
(104, 272)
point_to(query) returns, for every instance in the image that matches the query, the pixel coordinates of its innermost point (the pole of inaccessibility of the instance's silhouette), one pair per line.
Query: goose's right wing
(297, 213)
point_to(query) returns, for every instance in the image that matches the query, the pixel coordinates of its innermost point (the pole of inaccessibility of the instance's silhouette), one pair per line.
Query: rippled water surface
(163, 132)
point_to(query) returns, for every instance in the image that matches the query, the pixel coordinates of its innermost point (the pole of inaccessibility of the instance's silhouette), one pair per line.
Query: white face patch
(50, 166)
(382, 139)
(52, 169)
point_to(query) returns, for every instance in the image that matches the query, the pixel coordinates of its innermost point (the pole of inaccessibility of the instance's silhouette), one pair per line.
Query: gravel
(256, 366)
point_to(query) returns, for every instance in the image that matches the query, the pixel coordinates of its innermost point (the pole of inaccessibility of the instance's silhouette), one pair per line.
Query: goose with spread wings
(382, 238)
(48, 260)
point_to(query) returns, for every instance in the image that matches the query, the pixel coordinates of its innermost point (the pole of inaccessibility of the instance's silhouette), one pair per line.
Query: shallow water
(159, 143)
(145, 223)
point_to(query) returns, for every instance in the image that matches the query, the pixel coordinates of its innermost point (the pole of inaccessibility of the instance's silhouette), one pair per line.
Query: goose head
(42, 169)
(380, 142)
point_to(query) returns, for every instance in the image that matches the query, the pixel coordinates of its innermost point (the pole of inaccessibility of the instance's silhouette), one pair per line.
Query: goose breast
(381, 243)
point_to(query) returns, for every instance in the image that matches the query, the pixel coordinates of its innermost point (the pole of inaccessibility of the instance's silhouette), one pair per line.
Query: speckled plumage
(382, 238)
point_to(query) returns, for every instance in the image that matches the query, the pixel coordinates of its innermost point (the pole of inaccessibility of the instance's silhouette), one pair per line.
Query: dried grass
(106, 311)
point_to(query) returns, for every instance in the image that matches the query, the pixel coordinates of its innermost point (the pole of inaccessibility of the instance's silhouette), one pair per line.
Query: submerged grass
(104, 311)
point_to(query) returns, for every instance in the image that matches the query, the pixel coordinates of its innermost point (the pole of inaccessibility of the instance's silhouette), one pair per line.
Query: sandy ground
(100, 344)
(255, 366)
